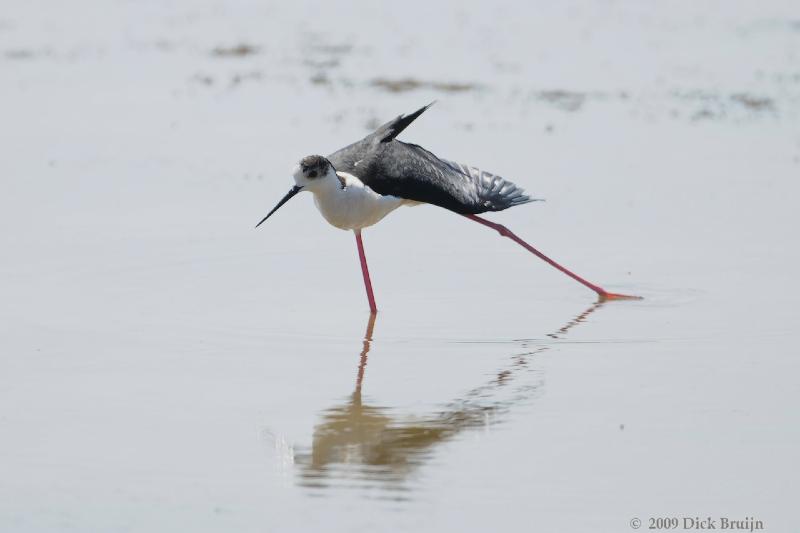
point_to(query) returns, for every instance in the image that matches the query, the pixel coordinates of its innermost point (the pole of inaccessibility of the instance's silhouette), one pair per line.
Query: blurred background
(165, 366)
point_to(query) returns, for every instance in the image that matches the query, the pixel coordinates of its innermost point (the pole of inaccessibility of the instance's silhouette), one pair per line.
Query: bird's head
(312, 171)
(309, 175)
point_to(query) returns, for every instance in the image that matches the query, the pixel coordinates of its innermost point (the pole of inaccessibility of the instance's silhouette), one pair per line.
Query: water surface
(166, 367)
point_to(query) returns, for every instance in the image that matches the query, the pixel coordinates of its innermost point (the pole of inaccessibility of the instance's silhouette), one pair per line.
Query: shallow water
(165, 366)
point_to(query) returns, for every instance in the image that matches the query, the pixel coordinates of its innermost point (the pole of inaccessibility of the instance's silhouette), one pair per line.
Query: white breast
(355, 206)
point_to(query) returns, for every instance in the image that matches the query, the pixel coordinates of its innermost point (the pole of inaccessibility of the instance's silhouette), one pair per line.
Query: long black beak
(294, 190)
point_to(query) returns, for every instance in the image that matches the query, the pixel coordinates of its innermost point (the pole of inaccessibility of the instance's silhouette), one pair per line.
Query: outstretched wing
(412, 172)
(392, 167)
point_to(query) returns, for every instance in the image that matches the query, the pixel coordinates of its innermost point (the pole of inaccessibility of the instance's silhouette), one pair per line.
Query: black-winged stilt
(360, 184)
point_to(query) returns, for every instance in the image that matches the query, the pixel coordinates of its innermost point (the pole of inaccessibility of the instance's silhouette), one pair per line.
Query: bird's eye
(312, 174)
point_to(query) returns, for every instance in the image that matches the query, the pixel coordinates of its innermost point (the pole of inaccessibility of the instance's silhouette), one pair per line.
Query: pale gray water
(166, 367)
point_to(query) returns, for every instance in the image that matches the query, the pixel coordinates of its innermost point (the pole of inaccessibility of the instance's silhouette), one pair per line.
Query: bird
(358, 185)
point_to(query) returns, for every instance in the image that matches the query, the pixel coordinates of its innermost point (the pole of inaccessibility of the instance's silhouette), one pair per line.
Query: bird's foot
(608, 296)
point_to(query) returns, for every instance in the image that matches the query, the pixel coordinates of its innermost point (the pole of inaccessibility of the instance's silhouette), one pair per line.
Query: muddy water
(166, 367)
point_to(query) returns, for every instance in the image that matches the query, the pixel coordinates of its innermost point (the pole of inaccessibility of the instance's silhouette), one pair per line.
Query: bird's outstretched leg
(505, 232)
(365, 271)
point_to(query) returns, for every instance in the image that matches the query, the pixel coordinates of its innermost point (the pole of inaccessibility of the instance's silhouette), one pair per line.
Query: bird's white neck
(347, 203)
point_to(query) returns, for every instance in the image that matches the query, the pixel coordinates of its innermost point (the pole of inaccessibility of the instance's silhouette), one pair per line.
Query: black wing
(412, 172)
(392, 167)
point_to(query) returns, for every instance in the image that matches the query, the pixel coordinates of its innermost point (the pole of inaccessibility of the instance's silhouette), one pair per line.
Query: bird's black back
(392, 167)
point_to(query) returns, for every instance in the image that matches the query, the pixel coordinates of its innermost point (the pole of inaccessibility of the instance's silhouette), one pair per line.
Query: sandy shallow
(166, 367)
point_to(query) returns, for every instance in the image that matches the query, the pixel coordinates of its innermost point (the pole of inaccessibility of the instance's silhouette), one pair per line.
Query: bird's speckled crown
(314, 163)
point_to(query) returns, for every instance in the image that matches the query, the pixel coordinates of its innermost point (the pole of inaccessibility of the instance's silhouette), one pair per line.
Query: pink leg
(365, 271)
(505, 232)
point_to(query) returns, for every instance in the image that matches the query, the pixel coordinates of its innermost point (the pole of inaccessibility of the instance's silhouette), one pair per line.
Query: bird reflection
(369, 444)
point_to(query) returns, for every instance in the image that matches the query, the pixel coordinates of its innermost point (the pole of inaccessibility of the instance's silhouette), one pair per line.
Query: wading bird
(360, 184)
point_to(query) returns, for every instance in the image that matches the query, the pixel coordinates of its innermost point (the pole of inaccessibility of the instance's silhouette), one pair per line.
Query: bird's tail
(494, 192)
